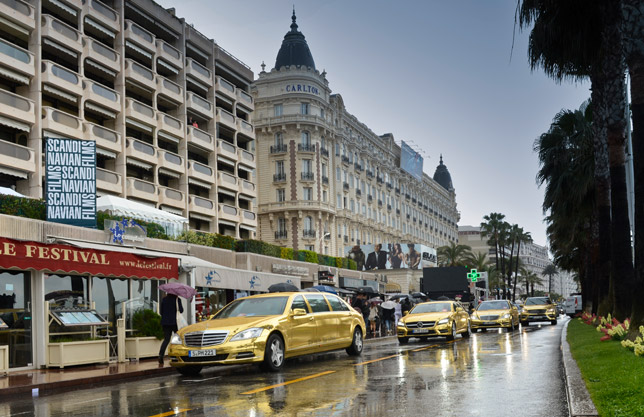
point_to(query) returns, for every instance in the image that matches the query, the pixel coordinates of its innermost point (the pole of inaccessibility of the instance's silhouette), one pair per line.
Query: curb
(579, 402)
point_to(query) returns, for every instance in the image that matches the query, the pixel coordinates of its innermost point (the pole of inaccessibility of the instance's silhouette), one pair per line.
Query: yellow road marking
(377, 360)
(287, 383)
(172, 413)
(423, 348)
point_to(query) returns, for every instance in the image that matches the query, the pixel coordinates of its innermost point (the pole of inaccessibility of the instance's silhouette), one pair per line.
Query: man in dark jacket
(376, 259)
(168, 320)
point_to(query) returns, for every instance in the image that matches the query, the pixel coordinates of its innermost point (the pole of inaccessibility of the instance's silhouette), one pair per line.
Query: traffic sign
(473, 276)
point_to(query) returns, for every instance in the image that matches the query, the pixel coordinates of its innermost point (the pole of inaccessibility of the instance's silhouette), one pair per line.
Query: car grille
(205, 338)
(215, 358)
(414, 324)
(489, 318)
(537, 311)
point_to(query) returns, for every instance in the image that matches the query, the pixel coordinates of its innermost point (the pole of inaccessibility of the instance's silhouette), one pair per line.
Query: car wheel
(468, 331)
(553, 322)
(192, 370)
(356, 344)
(453, 335)
(274, 354)
(403, 340)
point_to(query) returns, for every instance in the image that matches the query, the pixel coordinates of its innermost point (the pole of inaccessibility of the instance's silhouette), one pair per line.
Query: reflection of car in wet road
(538, 309)
(495, 313)
(267, 329)
(435, 318)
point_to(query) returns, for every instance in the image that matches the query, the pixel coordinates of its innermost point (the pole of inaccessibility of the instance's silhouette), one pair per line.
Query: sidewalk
(578, 397)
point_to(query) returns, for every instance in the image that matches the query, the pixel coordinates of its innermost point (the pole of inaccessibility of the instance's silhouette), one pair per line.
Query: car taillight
(576, 300)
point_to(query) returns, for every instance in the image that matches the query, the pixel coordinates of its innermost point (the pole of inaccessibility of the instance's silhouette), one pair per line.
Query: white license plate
(421, 330)
(489, 323)
(538, 317)
(200, 353)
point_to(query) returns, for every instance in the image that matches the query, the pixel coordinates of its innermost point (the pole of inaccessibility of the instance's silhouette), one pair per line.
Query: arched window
(306, 138)
(279, 139)
(308, 223)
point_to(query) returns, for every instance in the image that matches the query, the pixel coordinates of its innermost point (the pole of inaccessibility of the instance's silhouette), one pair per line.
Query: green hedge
(23, 207)
(286, 253)
(259, 247)
(307, 256)
(213, 240)
(147, 322)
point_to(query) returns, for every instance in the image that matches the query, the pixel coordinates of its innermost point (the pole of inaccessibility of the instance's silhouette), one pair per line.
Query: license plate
(421, 330)
(489, 323)
(538, 317)
(200, 353)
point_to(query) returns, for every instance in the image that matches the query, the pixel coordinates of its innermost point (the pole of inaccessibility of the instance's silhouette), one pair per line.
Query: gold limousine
(495, 313)
(267, 329)
(435, 318)
(538, 309)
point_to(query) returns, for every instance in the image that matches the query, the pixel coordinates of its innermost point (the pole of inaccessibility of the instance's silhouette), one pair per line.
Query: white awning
(227, 223)
(63, 7)
(138, 49)
(100, 67)
(226, 192)
(60, 47)
(14, 76)
(199, 183)
(168, 66)
(17, 28)
(14, 124)
(53, 90)
(141, 126)
(196, 82)
(138, 163)
(99, 27)
(225, 160)
(172, 210)
(100, 110)
(200, 217)
(167, 136)
(169, 173)
(105, 152)
(13, 172)
(239, 279)
(251, 229)
(197, 51)
(124, 207)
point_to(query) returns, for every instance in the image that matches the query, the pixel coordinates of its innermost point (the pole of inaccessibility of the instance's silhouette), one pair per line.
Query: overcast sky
(440, 75)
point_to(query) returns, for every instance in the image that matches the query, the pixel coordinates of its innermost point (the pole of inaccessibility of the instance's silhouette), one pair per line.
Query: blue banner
(411, 161)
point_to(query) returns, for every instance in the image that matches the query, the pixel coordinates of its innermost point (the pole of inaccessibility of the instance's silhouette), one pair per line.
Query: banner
(392, 256)
(411, 161)
(70, 181)
(240, 279)
(70, 259)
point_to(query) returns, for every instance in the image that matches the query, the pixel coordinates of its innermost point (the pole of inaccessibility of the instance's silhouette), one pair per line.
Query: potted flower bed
(145, 341)
(4, 358)
(63, 352)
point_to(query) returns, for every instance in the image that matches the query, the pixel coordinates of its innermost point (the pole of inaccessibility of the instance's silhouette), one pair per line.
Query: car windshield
(248, 307)
(535, 301)
(431, 308)
(493, 305)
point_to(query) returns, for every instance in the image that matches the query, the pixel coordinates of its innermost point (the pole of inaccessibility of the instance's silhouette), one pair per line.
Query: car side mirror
(298, 312)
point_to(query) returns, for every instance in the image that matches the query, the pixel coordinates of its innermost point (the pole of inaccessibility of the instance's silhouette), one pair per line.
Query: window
(308, 193)
(278, 110)
(298, 302)
(304, 108)
(324, 170)
(318, 303)
(279, 139)
(322, 113)
(308, 223)
(337, 149)
(310, 247)
(324, 196)
(281, 224)
(281, 195)
(338, 176)
(306, 139)
(279, 167)
(336, 303)
(307, 166)
(339, 200)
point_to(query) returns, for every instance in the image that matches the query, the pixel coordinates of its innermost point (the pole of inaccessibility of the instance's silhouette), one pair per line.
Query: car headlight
(551, 310)
(247, 334)
(401, 324)
(475, 317)
(443, 321)
(175, 339)
(506, 316)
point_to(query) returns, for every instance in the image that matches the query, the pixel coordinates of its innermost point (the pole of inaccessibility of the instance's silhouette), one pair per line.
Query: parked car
(435, 318)
(573, 305)
(539, 309)
(267, 329)
(495, 313)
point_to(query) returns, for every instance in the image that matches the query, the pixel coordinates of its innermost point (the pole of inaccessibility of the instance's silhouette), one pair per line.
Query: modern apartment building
(169, 109)
(327, 181)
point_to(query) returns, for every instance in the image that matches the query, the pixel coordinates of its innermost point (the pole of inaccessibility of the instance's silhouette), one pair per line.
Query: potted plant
(145, 341)
(66, 351)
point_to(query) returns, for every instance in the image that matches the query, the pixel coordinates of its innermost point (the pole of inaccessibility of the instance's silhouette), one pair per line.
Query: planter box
(142, 347)
(78, 353)
(4, 359)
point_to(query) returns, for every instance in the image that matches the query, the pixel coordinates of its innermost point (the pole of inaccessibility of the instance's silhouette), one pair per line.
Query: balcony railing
(369, 174)
(279, 177)
(281, 234)
(324, 152)
(357, 167)
(325, 180)
(379, 180)
(305, 147)
(379, 203)
(308, 176)
(358, 192)
(345, 159)
(389, 207)
(345, 186)
(281, 148)
(397, 190)
(370, 198)
(309, 233)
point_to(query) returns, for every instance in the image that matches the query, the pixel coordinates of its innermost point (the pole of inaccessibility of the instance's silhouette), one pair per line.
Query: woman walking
(169, 306)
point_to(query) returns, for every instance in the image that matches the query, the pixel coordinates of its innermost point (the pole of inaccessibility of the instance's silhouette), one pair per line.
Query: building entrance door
(15, 317)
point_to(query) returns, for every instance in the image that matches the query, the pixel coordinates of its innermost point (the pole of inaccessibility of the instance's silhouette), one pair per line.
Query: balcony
(103, 96)
(397, 190)
(279, 177)
(346, 239)
(246, 100)
(200, 139)
(104, 137)
(369, 174)
(171, 161)
(140, 150)
(413, 200)
(345, 186)
(379, 203)
(140, 112)
(102, 55)
(305, 147)
(169, 90)
(281, 148)
(226, 119)
(169, 55)
(199, 105)
(227, 212)
(357, 167)
(225, 88)
(171, 197)
(345, 160)
(307, 176)
(60, 32)
(198, 72)
(358, 193)
(14, 155)
(18, 60)
(61, 123)
(201, 172)
(19, 12)
(407, 196)
(142, 189)
(248, 218)
(325, 180)
(247, 188)
(398, 212)
(389, 207)
(108, 181)
(245, 128)
(170, 125)
(246, 158)
(379, 180)
(139, 74)
(390, 186)
(17, 107)
(103, 14)
(140, 37)
(67, 84)
(281, 234)
(201, 205)
(308, 234)
(369, 198)
(324, 152)
(225, 180)
(227, 150)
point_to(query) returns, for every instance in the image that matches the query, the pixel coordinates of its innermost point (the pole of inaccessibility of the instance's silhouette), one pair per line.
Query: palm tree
(453, 254)
(490, 229)
(522, 237)
(531, 279)
(504, 239)
(478, 261)
(549, 271)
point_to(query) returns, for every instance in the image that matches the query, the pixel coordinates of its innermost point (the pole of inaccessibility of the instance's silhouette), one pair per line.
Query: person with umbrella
(169, 306)
(388, 312)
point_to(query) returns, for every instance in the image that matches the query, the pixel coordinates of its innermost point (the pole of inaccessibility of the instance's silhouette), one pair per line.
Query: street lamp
(325, 235)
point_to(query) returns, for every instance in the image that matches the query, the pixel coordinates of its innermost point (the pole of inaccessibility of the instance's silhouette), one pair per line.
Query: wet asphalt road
(491, 374)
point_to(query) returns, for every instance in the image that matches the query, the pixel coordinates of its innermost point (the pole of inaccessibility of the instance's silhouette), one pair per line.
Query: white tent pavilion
(173, 224)
(10, 191)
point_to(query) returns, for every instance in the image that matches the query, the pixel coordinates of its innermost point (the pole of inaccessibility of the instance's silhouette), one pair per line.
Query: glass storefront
(15, 317)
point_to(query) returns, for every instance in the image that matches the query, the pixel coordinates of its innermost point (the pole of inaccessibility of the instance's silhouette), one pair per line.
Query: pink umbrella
(176, 288)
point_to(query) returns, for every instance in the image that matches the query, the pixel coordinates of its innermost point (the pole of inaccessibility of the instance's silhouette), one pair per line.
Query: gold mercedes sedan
(435, 318)
(538, 309)
(495, 313)
(267, 329)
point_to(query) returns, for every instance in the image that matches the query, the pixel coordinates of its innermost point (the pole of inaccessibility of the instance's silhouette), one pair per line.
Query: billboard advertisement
(411, 161)
(391, 256)
(70, 178)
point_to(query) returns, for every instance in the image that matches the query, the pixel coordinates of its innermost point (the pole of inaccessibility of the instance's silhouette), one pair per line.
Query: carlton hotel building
(129, 75)
(326, 180)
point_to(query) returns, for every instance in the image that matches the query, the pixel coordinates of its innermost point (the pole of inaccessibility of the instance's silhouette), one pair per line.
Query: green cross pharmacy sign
(473, 276)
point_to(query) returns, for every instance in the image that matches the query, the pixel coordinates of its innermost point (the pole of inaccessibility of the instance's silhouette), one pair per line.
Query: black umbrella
(418, 295)
(368, 290)
(311, 289)
(398, 296)
(443, 298)
(283, 287)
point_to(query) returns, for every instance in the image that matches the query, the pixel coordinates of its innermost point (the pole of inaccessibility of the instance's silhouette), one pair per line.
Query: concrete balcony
(16, 107)
(101, 95)
(198, 72)
(171, 161)
(246, 158)
(142, 189)
(19, 12)
(60, 32)
(140, 150)
(225, 88)
(199, 105)
(141, 37)
(246, 128)
(61, 79)
(227, 212)
(227, 150)
(247, 188)
(170, 90)
(108, 181)
(140, 74)
(140, 112)
(202, 206)
(103, 14)
(101, 54)
(17, 60)
(61, 123)
(248, 218)
(170, 125)
(104, 137)
(171, 197)
(226, 119)
(225, 180)
(201, 139)
(17, 157)
(169, 54)
(201, 172)
(246, 100)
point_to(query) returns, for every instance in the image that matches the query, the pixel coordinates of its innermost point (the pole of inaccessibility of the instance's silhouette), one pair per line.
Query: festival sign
(70, 177)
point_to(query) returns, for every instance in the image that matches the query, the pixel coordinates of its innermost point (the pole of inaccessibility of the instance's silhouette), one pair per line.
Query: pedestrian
(388, 318)
(406, 305)
(397, 314)
(169, 306)
(373, 316)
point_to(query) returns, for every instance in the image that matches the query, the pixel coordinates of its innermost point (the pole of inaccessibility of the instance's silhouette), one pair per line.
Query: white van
(573, 305)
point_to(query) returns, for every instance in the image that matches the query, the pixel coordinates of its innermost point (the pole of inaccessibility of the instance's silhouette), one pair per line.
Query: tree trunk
(516, 273)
